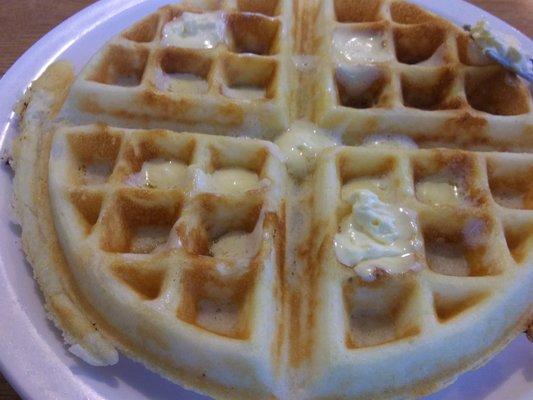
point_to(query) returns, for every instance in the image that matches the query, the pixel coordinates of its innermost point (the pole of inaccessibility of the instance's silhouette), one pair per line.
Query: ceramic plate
(32, 355)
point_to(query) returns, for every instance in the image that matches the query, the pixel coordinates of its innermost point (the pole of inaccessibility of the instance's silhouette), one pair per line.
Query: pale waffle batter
(292, 200)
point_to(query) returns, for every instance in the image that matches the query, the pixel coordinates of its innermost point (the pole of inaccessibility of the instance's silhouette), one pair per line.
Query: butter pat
(181, 83)
(301, 144)
(239, 247)
(190, 30)
(233, 180)
(376, 185)
(366, 46)
(438, 193)
(227, 181)
(160, 174)
(503, 48)
(377, 238)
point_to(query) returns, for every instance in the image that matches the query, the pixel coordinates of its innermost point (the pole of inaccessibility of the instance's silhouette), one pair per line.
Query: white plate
(32, 355)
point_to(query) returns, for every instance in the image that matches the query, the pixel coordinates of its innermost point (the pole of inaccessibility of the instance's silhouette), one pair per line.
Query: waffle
(194, 251)
(238, 83)
(200, 205)
(474, 245)
(424, 78)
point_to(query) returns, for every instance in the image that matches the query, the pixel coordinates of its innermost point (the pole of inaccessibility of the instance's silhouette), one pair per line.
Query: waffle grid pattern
(474, 231)
(141, 78)
(471, 250)
(429, 81)
(151, 235)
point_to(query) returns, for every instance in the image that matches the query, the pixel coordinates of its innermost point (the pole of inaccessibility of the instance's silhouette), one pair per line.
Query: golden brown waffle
(156, 246)
(473, 249)
(428, 81)
(212, 259)
(140, 81)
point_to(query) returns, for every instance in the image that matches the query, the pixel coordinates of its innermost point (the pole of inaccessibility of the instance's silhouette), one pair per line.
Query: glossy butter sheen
(160, 173)
(376, 237)
(190, 30)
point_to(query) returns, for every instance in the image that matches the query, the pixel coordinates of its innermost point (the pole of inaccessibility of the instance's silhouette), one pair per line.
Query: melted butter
(377, 238)
(188, 83)
(238, 247)
(438, 192)
(190, 30)
(376, 185)
(301, 144)
(160, 173)
(232, 180)
(360, 46)
(357, 80)
(503, 48)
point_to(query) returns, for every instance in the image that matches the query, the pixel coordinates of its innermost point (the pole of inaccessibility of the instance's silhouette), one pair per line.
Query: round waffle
(157, 228)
